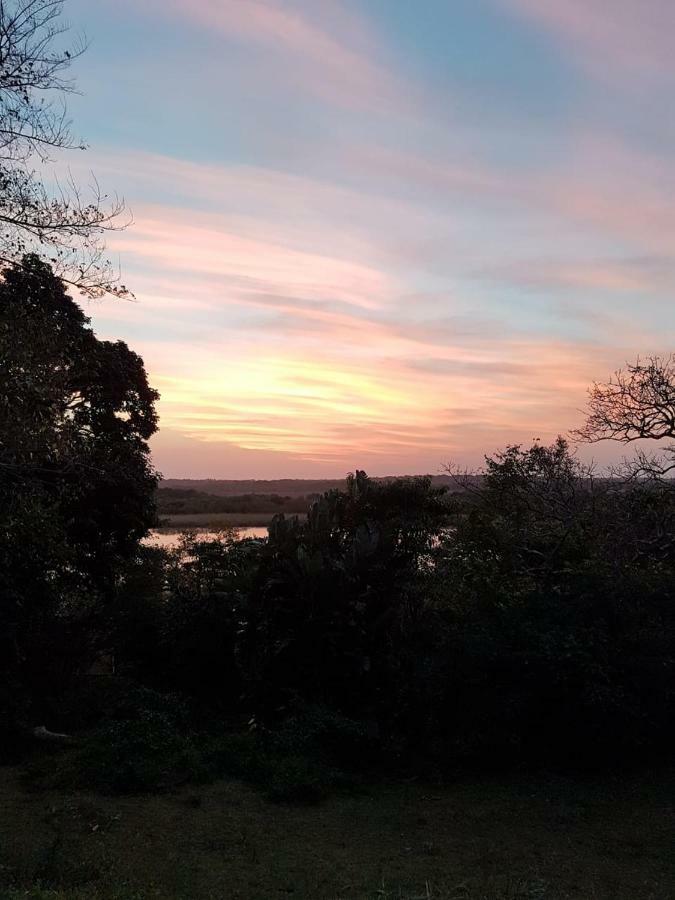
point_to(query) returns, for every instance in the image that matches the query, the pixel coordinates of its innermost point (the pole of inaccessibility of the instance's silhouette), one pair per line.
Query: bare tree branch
(62, 223)
(638, 403)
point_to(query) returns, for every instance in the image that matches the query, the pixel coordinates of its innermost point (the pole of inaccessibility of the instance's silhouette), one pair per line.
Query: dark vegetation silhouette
(76, 482)
(525, 618)
(637, 404)
(308, 488)
(177, 501)
(184, 497)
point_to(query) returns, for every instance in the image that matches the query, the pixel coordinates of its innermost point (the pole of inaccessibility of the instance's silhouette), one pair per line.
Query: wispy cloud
(334, 269)
(317, 49)
(326, 355)
(174, 240)
(612, 39)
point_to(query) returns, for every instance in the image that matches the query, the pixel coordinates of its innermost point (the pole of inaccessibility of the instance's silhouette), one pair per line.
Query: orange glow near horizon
(368, 408)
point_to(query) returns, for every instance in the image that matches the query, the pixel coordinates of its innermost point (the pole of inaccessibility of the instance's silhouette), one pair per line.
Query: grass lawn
(488, 839)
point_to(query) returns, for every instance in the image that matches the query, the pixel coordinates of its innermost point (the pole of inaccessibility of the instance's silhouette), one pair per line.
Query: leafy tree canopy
(76, 481)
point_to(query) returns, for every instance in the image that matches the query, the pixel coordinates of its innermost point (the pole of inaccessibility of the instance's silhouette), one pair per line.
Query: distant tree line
(174, 501)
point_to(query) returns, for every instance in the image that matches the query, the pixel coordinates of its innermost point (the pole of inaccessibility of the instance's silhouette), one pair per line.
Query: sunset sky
(381, 234)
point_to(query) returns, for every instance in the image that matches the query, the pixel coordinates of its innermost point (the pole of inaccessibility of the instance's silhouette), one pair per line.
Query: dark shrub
(128, 757)
(324, 734)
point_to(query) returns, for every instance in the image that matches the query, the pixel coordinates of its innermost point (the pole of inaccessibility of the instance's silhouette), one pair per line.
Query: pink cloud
(171, 239)
(313, 345)
(596, 226)
(361, 247)
(369, 308)
(330, 404)
(612, 39)
(320, 49)
(601, 185)
(596, 276)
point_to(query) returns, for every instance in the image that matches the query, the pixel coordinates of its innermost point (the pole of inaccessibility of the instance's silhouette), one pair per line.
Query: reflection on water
(169, 539)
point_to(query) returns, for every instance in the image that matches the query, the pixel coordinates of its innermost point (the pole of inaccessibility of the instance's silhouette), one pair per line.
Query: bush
(138, 756)
(267, 762)
(98, 699)
(296, 779)
(322, 733)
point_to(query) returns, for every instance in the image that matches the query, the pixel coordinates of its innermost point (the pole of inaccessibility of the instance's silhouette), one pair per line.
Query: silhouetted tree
(336, 594)
(555, 596)
(63, 223)
(638, 403)
(76, 481)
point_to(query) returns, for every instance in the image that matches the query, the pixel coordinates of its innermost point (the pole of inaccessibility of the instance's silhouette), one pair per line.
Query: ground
(535, 838)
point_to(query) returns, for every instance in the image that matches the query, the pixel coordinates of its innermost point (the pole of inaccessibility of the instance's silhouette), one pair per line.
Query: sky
(380, 234)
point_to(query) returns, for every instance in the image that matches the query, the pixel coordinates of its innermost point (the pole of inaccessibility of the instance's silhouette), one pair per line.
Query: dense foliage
(76, 482)
(527, 618)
